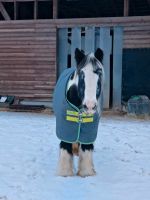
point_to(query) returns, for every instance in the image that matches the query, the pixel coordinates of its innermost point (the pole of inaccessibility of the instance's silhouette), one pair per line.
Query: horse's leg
(65, 165)
(85, 166)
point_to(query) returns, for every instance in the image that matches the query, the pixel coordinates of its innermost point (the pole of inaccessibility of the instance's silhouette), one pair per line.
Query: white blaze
(90, 80)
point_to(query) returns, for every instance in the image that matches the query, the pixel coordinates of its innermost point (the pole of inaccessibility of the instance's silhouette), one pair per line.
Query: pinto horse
(77, 107)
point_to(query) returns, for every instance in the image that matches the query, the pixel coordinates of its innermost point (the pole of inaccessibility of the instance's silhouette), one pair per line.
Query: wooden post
(55, 9)
(35, 9)
(105, 43)
(126, 8)
(89, 39)
(15, 10)
(4, 12)
(62, 50)
(117, 67)
(75, 43)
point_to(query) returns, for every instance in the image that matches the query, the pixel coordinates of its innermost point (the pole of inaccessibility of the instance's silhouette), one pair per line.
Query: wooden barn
(38, 39)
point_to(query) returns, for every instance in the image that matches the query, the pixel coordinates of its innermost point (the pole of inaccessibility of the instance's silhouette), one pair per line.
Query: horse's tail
(75, 148)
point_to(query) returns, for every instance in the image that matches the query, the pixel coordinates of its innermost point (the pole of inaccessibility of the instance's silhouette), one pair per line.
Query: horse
(77, 100)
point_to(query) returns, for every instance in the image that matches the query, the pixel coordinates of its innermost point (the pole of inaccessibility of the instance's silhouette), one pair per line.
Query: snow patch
(29, 153)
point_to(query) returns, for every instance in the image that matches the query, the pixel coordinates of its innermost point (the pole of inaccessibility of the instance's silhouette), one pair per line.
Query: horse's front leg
(65, 165)
(85, 166)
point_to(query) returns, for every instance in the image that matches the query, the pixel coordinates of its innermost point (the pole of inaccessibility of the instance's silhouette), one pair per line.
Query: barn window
(1, 17)
(25, 10)
(45, 10)
(48, 9)
(139, 8)
(9, 6)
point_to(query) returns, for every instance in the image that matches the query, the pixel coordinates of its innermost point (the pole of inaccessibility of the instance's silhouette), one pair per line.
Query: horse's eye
(81, 75)
(98, 90)
(81, 85)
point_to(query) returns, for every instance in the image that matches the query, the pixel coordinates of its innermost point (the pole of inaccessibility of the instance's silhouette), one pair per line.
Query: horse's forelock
(90, 59)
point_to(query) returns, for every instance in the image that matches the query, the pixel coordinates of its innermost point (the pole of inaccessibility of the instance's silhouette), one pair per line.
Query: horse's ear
(79, 55)
(99, 54)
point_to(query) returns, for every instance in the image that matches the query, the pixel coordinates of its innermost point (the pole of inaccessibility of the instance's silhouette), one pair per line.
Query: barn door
(89, 39)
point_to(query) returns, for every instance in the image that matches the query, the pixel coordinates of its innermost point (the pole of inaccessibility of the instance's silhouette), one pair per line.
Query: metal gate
(89, 39)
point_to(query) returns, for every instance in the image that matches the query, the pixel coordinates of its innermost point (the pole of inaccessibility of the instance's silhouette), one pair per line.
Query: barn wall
(28, 51)
(27, 59)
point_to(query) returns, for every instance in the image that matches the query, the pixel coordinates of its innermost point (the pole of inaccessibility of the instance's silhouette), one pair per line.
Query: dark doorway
(136, 73)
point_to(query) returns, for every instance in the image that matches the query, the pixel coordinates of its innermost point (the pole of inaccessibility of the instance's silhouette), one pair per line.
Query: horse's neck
(72, 92)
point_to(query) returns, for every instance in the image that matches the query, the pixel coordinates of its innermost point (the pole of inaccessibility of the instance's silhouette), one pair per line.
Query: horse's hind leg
(85, 166)
(65, 165)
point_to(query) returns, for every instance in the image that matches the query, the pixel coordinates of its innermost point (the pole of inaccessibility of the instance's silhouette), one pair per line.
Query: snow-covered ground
(29, 154)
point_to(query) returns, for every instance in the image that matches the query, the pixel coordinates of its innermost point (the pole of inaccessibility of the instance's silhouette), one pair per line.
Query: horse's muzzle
(90, 111)
(90, 108)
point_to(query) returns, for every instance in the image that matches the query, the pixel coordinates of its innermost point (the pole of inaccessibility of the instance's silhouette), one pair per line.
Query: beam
(35, 9)
(21, 0)
(126, 8)
(4, 12)
(55, 9)
(15, 10)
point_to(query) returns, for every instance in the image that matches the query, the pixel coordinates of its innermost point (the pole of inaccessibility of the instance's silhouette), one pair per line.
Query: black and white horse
(84, 89)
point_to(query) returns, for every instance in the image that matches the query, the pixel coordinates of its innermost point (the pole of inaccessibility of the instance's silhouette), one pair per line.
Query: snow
(29, 154)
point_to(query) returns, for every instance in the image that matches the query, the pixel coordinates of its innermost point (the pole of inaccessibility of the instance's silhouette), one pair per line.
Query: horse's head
(88, 79)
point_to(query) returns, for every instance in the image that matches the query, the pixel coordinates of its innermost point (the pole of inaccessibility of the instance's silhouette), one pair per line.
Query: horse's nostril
(94, 108)
(85, 106)
(90, 106)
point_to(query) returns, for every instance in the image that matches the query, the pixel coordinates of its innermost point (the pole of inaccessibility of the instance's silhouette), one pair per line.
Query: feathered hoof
(85, 173)
(65, 173)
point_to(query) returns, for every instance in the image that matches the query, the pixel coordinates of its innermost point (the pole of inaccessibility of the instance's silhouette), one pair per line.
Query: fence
(89, 39)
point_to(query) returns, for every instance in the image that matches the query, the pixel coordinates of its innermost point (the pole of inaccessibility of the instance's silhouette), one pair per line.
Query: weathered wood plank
(126, 8)
(35, 82)
(105, 45)
(89, 39)
(4, 12)
(27, 50)
(135, 46)
(75, 43)
(55, 9)
(62, 50)
(27, 60)
(35, 9)
(113, 21)
(135, 36)
(15, 10)
(117, 67)
(137, 41)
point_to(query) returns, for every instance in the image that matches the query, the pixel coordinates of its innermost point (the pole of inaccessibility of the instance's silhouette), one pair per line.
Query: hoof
(86, 173)
(65, 173)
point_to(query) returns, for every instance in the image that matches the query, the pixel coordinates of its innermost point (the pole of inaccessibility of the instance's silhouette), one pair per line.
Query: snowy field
(29, 154)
